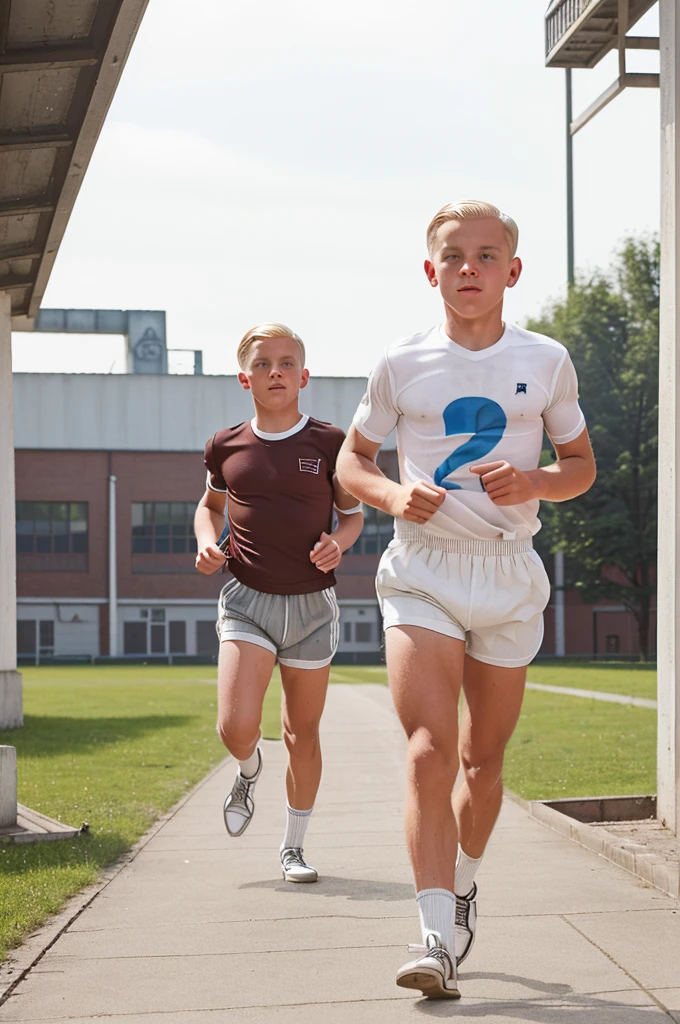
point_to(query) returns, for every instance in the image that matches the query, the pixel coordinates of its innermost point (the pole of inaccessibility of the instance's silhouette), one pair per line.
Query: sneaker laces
(436, 952)
(293, 855)
(241, 788)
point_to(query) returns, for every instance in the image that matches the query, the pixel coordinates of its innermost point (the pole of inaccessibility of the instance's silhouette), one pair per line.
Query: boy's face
(274, 372)
(472, 267)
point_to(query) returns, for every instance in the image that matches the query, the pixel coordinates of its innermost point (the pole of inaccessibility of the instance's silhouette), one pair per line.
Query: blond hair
(472, 209)
(261, 332)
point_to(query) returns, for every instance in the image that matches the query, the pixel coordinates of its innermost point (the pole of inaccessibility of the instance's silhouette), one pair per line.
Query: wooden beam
(597, 105)
(10, 141)
(5, 9)
(48, 58)
(24, 207)
(641, 81)
(642, 42)
(19, 252)
(14, 281)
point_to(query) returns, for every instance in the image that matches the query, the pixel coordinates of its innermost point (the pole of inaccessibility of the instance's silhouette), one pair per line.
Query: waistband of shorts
(414, 533)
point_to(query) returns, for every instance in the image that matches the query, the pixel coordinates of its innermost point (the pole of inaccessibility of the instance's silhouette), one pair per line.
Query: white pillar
(8, 786)
(113, 572)
(560, 642)
(11, 714)
(668, 589)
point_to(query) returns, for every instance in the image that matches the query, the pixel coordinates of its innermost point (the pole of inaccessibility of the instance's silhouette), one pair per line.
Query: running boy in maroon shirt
(279, 473)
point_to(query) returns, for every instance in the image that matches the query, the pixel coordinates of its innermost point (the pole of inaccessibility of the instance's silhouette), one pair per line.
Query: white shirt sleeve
(377, 414)
(563, 418)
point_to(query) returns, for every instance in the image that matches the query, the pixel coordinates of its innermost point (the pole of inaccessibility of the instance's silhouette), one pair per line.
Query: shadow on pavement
(361, 889)
(568, 1006)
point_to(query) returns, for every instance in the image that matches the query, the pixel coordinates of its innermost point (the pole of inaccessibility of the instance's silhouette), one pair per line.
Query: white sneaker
(434, 972)
(239, 806)
(466, 923)
(294, 867)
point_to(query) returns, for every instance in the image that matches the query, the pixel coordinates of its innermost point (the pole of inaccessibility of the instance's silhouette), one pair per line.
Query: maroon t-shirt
(280, 491)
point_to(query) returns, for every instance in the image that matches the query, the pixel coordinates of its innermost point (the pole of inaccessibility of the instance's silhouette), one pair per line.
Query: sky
(281, 161)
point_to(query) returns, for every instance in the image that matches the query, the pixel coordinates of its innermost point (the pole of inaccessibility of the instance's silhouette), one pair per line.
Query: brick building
(108, 472)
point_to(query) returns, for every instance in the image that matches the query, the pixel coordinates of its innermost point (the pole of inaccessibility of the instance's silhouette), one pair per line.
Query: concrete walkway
(201, 928)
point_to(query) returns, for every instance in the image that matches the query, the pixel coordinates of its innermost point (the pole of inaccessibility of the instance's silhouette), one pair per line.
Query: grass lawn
(632, 679)
(572, 746)
(116, 746)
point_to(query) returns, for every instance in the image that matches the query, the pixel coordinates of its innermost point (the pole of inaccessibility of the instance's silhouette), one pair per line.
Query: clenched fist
(505, 484)
(417, 502)
(326, 553)
(210, 559)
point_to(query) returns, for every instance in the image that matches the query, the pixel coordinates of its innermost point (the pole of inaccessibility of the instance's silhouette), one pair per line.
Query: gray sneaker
(466, 923)
(294, 867)
(239, 806)
(433, 972)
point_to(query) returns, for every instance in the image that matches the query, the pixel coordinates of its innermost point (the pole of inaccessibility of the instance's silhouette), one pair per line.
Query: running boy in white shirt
(461, 589)
(279, 472)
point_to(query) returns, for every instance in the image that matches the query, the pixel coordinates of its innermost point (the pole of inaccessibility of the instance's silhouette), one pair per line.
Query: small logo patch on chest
(521, 389)
(310, 465)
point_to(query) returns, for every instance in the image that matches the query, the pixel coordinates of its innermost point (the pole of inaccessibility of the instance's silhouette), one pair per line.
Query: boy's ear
(515, 271)
(243, 381)
(431, 273)
(304, 379)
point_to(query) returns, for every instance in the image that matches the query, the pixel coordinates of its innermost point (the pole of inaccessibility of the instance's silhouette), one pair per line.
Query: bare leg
(243, 675)
(304, 696)
(425, 670)
(493, 702)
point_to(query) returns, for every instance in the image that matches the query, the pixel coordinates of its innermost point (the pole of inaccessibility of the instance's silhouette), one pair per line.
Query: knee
(238, 736)
(483, 769)
(301, 741)
(433, 761)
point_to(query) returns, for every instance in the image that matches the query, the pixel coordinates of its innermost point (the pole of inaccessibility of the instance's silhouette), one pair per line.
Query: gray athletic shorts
(301, 629)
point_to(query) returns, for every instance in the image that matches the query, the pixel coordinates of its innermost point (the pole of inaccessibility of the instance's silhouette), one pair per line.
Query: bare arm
(328, 550)
(208, 525)
(572, 474)
(359, 474)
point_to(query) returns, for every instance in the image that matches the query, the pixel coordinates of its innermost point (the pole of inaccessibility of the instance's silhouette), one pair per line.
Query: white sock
(466, 869)
(249, 768)
(296, 827)
(437, 909)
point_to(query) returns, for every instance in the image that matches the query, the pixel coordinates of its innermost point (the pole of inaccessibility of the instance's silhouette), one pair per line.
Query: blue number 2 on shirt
(482, 418)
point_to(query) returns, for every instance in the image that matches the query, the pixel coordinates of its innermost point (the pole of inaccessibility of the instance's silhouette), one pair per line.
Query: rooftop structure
(59, 68)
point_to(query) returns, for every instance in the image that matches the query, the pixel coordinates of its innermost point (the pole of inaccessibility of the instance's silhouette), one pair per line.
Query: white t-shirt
(454, 408)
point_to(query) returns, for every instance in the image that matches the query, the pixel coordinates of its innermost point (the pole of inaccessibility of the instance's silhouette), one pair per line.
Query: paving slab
(201, 928)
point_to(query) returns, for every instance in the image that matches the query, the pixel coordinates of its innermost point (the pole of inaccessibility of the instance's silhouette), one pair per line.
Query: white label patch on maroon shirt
(310, 465)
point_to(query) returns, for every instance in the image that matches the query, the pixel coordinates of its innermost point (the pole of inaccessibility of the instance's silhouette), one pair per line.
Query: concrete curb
(22, 959)
(663, 874)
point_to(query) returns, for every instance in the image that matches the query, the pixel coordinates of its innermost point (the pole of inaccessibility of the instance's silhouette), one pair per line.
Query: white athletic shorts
(490, 594)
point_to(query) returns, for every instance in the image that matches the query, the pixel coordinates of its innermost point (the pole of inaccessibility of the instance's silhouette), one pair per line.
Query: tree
(610, 324)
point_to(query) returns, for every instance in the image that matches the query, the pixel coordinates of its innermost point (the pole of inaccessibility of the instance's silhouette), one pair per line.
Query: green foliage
(610, 324)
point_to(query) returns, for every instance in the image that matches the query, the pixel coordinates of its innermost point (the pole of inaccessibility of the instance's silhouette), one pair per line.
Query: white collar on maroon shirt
(302, 422)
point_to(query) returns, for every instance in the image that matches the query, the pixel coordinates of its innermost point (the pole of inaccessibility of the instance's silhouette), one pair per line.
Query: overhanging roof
(60, 64)
(579, 33)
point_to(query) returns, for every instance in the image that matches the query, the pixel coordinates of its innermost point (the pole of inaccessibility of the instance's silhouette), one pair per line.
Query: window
(613, 643)
(35, 637)
(177, 632)
(55, 530)
(376, 534)
(163, 527)
(26, 636)
(134, 637)
(206, 637)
